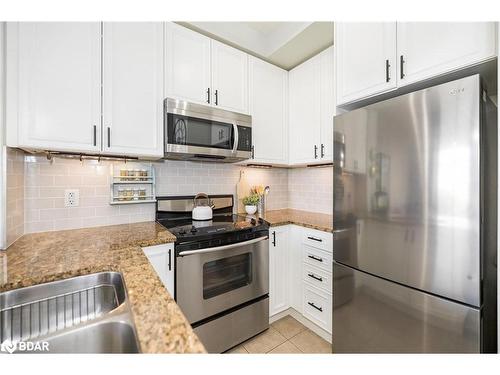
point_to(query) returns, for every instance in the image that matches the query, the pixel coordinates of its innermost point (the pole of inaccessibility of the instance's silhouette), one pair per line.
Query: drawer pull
(315, 258)
(316, 307)
(313, 276)
(315, 239)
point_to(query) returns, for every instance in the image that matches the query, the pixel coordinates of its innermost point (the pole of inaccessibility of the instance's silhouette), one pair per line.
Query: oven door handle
(236, 137)
(224, 247)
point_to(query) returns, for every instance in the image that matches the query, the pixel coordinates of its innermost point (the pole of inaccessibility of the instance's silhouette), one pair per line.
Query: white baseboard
(299, 317)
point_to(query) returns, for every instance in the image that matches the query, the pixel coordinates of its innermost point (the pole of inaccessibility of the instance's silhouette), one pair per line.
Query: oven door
(213, 280)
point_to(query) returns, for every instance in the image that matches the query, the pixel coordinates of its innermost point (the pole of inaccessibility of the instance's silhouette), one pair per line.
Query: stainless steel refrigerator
(415, 215)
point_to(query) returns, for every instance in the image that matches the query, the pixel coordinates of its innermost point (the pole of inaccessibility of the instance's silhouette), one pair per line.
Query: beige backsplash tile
(44, 182)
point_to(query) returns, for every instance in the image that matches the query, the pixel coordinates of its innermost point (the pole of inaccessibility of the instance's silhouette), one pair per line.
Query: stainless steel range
(221, 270)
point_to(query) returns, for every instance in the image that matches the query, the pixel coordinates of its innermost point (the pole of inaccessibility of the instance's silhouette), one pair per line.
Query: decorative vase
(251, 209)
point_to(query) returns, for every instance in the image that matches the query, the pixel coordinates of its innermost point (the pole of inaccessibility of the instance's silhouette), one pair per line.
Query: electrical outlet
(71, 198)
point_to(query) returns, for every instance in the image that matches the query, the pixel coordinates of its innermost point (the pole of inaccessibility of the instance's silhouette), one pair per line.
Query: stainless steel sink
(84, 314)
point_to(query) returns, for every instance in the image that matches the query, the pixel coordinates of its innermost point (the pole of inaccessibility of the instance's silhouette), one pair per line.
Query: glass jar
(142, 193)
(121, 194)
(129, 194)
(123, 173)
(144, 174)
(135, 194)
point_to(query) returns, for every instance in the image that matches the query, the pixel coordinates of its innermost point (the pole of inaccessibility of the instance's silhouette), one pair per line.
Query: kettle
(202, 207)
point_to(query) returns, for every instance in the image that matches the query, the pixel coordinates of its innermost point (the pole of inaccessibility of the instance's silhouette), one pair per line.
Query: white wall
(2, 140)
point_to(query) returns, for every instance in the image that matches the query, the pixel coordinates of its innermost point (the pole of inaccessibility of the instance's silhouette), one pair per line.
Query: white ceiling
(285, 44)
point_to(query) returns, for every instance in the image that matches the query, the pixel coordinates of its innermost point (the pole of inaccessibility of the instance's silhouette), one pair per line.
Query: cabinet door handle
(95, 135)
(109, 137)
(313, 276)
(401, 63)
(216, 97)
(208, 95)
(253, 152)
(318, 259)
(315, 239)
(274, 238)
(322, 150)
(170, 259)
(387, 66)
(316, 307)
(315, 151)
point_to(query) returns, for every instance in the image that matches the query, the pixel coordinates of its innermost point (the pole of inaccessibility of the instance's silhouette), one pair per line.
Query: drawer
(319, 239)
(316, 257)
(317, 277)
(317, 307)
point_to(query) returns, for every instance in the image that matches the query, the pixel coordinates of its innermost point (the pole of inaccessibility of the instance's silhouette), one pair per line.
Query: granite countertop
(43, 257)
(306, 219)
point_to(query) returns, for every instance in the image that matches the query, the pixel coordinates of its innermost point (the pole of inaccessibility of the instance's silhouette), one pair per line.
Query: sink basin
(84, 314)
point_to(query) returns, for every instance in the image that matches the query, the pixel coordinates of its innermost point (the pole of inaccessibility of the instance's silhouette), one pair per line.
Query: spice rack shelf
(132, 183)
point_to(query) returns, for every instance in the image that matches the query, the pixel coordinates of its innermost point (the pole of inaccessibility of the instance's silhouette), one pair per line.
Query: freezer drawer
(373, 315)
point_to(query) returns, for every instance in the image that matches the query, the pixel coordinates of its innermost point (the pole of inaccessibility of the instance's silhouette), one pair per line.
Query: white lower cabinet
(162, 258)
(300, 273)
(278, 269)
(318, 307)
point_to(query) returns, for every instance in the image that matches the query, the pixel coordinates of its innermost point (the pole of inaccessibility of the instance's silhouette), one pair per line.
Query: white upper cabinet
(54, 85)
(304, 112)
(431, 48)
(366, 59)
(133, 88)
(229, 78)
(204, 71)
(373, 58)
(327, 98)
(268, 95)
(188, 65)
(311, 110)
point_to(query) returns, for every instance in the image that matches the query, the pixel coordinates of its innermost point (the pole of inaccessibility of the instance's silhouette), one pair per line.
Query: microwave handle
(236, 136)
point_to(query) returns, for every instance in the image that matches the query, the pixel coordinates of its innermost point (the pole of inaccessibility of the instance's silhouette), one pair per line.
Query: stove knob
(182, 231)
(193, 229)
(253, 221)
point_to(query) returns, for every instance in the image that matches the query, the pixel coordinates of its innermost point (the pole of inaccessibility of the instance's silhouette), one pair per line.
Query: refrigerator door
(415, 205)
(373, 315)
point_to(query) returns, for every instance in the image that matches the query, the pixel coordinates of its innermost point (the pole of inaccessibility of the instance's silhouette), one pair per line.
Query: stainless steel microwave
(198, 132)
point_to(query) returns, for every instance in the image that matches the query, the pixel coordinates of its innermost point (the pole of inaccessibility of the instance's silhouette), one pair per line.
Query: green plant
(251, 200)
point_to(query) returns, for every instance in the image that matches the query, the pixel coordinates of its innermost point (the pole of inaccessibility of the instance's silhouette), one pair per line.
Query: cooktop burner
(225, 228)
(188, 228)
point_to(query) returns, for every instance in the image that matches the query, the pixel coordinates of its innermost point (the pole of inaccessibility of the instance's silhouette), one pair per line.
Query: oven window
(223, 275)
(191, 131)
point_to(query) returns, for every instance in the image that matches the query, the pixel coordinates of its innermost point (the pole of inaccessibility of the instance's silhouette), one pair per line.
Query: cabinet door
(268, 106)
(133, 88)
(295, 235)
(278, 270)
(162, 259)
(304, 112)
(54, 85)
(188, 67)
(432, 48)
(327, 99)
(229, 78)
(366, 59)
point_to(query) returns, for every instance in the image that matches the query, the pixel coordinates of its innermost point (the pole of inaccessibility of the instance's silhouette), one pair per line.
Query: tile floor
(285, 336)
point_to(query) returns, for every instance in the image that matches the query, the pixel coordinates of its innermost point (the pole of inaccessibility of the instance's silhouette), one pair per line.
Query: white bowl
(251, 209)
